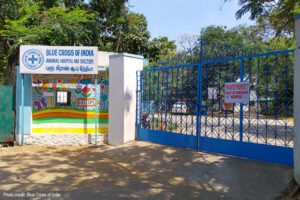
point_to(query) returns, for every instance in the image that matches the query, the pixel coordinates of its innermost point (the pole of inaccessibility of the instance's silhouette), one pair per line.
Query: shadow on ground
(137, 170)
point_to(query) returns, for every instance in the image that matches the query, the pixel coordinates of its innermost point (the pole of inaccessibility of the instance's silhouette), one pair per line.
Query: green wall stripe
(68, 120)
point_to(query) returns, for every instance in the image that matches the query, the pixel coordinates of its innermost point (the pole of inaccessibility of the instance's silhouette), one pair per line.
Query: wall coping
(126, 55)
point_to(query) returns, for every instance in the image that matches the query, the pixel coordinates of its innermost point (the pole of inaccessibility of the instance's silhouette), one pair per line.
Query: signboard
(85, 102)
(48, 94)
(58, 60)
(237, 92)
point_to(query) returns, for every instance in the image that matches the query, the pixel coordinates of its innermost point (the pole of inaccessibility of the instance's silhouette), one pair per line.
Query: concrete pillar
(122, 97)
(27, 105)
(297, 102)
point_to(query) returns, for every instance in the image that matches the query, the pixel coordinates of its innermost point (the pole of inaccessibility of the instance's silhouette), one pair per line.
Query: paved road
(137, 170)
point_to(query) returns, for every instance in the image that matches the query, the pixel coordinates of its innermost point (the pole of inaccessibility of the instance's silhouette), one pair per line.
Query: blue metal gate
(183, 105)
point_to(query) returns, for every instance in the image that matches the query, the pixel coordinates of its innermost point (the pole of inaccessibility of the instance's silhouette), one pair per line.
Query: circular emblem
(33, 59)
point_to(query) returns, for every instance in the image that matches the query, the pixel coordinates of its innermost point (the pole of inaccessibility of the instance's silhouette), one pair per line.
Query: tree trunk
(118, 42)
(13, 62)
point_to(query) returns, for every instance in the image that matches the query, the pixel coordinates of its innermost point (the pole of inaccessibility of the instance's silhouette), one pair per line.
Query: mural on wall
(81, 111)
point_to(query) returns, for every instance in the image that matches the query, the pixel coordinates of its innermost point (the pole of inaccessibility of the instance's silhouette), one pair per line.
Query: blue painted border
(168, 138)
(261, 152)
(297, 16)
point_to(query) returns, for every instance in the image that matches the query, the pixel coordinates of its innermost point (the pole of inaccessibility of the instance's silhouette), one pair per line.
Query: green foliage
(34, 23)
(56, 26)
(160, 48)
(135, 35)
(110, 21)
(68, 27)
(277, 14)
(110, 25)
(107, 24)
(222, 36)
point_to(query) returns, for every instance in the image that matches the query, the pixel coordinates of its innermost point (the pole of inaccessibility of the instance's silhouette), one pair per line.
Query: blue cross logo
(32, 59)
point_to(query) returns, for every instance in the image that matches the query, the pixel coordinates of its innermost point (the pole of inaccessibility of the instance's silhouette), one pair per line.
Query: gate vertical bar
(199, 105)
(141, 98)
(166, 104)
(199, 97)
(242, 63)
(139, 101)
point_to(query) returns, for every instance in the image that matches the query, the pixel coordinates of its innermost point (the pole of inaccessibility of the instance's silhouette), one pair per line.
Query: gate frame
(255, 151)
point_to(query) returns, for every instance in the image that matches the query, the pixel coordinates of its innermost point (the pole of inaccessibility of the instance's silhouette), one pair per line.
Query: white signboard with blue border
(58, 60)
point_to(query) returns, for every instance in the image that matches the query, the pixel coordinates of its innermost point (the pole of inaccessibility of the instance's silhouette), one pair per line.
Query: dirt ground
(137, 170)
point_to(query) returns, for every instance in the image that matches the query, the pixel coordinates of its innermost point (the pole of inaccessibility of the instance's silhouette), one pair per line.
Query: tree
(107, 24)
(187, 41)
(111, 16)
(220, 35)
(159, 48)
(53, 26)
(135, 35)
(8, 10)
(278, 14)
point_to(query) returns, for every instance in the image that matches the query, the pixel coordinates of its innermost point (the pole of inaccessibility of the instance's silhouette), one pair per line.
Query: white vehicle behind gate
(179, 108)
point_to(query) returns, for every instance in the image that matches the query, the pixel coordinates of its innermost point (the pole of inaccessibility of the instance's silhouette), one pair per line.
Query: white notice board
(237, 92)
(58, 59)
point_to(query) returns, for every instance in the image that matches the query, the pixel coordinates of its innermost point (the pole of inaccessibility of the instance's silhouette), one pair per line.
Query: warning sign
(237, 92)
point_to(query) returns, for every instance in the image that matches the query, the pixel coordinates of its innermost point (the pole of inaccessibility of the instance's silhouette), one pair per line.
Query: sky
(173, 18)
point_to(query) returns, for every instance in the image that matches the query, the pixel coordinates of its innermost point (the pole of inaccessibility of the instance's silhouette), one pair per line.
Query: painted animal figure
(41, 103)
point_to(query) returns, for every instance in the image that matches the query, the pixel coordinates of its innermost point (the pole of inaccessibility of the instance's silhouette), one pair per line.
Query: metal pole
(199, 105)
(96, 111)
(140, 108)
(22, 110)
(199, 97)
(241, 104)
(166, 103)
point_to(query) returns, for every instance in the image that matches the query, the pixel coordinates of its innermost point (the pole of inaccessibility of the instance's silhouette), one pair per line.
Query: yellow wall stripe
(68, 130)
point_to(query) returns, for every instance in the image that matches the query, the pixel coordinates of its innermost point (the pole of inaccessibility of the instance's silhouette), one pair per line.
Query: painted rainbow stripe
(68, 121)
(67, 113)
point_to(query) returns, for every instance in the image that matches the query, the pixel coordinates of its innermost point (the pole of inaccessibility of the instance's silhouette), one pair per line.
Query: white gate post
(297, 102)
(122, 97)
